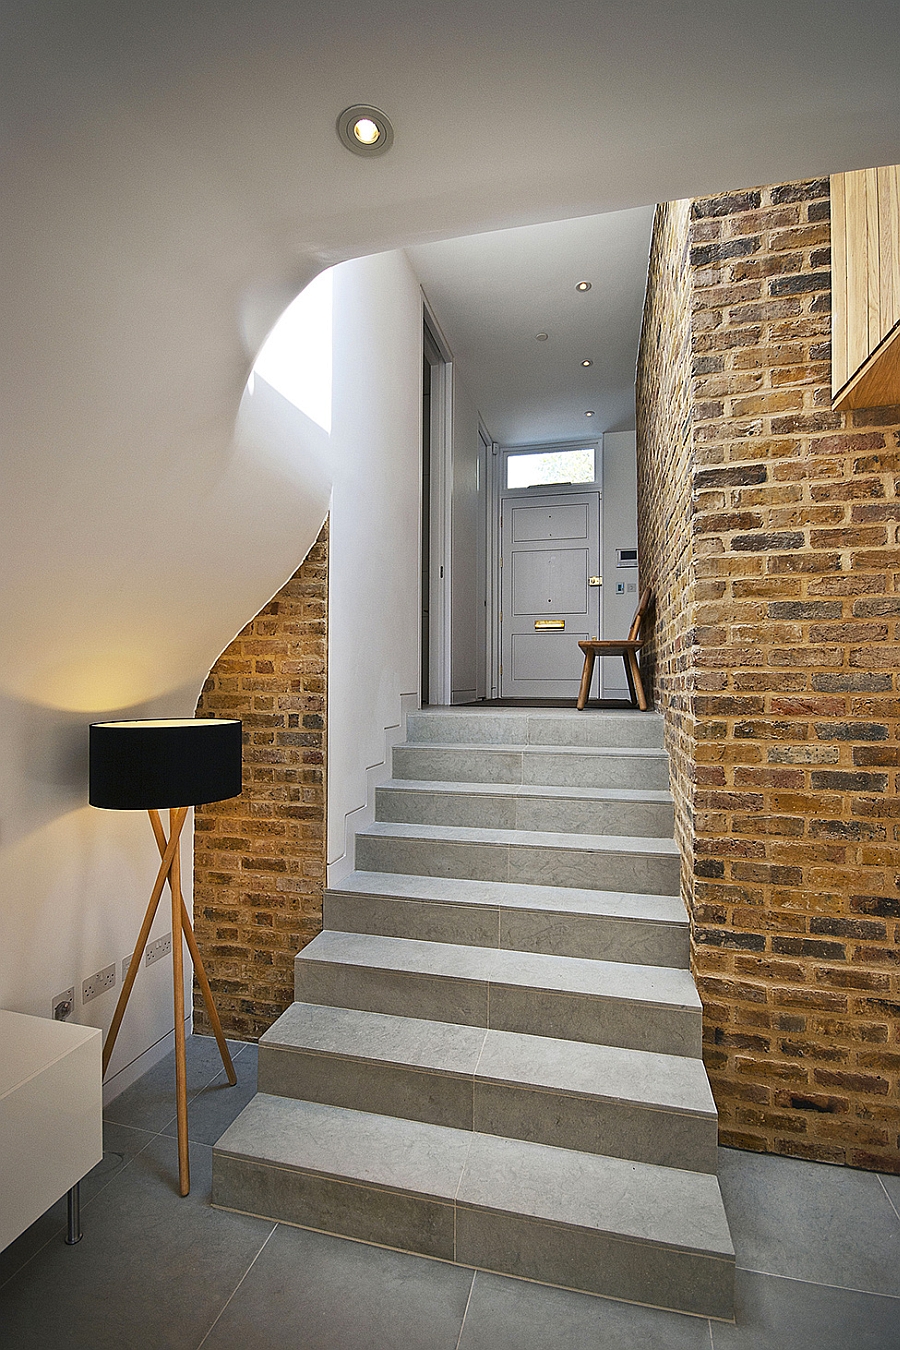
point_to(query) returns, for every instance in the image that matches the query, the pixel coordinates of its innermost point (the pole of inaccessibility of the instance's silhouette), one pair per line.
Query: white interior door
(550, 593)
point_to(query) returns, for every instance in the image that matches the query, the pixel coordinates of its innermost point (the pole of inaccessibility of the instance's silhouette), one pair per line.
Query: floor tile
(809, 1221)
(149, 1103)
(152, 1272)
(120, 1144)
(506, 1314)
(323, 1293)
(892, 1186)
(212, 1110)
(778, 1314)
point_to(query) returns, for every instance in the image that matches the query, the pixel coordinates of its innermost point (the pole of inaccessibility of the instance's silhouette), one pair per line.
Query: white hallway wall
(171, 181)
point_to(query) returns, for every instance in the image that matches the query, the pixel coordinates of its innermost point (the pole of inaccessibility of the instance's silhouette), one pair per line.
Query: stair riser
(583, 935)
(474, 1003)
(535, 767)
(636, 873)
(486, 728)
(648, 819)
(543, 1116)
(473, 1236)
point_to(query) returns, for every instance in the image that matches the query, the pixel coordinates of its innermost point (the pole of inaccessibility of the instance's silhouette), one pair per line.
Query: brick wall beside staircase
(259, 860)
(776, 661)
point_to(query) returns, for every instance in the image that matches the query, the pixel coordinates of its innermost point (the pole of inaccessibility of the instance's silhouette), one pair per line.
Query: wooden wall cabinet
(865, 271)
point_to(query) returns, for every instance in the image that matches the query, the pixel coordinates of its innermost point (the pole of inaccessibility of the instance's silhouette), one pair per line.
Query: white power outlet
(99, 983)
(63, 1005)
(126, 962)
(158, 949)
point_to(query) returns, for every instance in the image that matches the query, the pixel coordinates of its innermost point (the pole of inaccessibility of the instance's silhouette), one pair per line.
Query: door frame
(436, 352)
(497, 476)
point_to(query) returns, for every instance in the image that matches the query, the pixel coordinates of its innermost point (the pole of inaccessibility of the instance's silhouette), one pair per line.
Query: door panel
(548, 522)
(549, 657)
(544, 582)
(550, 547)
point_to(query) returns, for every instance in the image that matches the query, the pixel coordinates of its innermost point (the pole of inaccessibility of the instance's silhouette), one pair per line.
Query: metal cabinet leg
(73, 1206)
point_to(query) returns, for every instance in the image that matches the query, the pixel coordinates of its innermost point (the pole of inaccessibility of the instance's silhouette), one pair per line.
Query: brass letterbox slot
(542, 624)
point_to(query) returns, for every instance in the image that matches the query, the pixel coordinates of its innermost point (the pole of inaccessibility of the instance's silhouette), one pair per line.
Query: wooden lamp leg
(184, 1170)
(199, 970)
(168, 853)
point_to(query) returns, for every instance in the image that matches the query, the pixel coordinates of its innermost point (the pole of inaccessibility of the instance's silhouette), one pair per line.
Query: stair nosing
(640, 974)
(542, 901)
(646, 845)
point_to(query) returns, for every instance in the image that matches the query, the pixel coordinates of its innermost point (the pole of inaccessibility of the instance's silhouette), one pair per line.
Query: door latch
(595, 581)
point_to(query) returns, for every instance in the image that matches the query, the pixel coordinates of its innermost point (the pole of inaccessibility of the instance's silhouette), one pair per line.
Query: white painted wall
(374, 554)
(619, 530)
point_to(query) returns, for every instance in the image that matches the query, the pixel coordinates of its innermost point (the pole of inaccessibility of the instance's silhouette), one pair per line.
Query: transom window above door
(540, 468)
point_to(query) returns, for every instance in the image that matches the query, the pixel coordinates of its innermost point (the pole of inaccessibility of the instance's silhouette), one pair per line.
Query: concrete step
(536, 857)
(555, 766)
(609, 1226)
(521, 806)
(559, 920)
(593, 1098)
(535, 726)
(637, 1007)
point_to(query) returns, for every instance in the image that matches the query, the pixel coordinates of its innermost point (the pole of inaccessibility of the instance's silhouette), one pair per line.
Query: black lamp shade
(136, 766)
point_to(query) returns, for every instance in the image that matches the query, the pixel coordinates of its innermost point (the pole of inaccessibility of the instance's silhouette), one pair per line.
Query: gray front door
(549, 551)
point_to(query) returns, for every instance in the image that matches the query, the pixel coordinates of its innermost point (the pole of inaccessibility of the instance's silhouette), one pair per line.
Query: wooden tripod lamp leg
(199, 970)
(184, 1169)
(167, 852)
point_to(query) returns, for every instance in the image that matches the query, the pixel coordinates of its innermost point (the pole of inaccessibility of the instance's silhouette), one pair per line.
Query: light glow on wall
(296, 356)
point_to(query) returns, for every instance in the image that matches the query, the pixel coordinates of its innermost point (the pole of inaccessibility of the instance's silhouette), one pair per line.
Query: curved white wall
(171, 180)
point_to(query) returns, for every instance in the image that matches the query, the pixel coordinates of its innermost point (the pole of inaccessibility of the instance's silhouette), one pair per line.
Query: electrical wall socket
(126, 962)
(63, 1005)
(158, 949)
(99, 983)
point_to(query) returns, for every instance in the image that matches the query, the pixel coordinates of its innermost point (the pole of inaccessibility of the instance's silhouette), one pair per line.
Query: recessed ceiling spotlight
(542, 337)
(583, 286)
(587, 363)
(365, 130)
(589, 413)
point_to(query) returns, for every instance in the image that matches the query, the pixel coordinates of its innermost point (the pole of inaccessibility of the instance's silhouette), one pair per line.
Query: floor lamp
(148, 766)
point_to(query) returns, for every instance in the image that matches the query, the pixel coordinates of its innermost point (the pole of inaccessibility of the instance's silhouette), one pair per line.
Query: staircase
(494, 1058)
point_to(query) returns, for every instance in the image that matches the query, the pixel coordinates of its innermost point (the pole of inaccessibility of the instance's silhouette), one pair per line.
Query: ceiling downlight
(583, 286)
(365, 130)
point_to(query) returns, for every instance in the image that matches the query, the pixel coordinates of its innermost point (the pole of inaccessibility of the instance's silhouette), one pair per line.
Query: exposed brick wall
(791, 609)
(259, 860)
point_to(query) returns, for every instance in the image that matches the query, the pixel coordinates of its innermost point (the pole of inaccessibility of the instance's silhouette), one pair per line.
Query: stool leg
(630, 678)
(586, 674)
(636, 682)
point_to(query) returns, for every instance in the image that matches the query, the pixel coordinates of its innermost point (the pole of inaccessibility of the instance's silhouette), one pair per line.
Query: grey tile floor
(818, 1254)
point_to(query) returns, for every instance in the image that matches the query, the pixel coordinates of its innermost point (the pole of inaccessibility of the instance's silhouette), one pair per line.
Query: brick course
(259, 859)
(769, 532)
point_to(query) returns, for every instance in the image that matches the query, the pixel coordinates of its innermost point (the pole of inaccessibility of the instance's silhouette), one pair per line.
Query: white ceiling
(493, 293)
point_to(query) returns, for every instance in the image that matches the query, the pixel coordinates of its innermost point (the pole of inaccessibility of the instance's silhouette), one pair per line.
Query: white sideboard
(51, 1131)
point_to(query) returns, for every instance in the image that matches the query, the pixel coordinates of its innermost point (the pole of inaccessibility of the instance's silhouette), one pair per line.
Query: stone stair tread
(572, 1068)
(619, 980)
(528, 748)
(652, 909)
(580, 794)
(642, 1202)
(471, 834)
